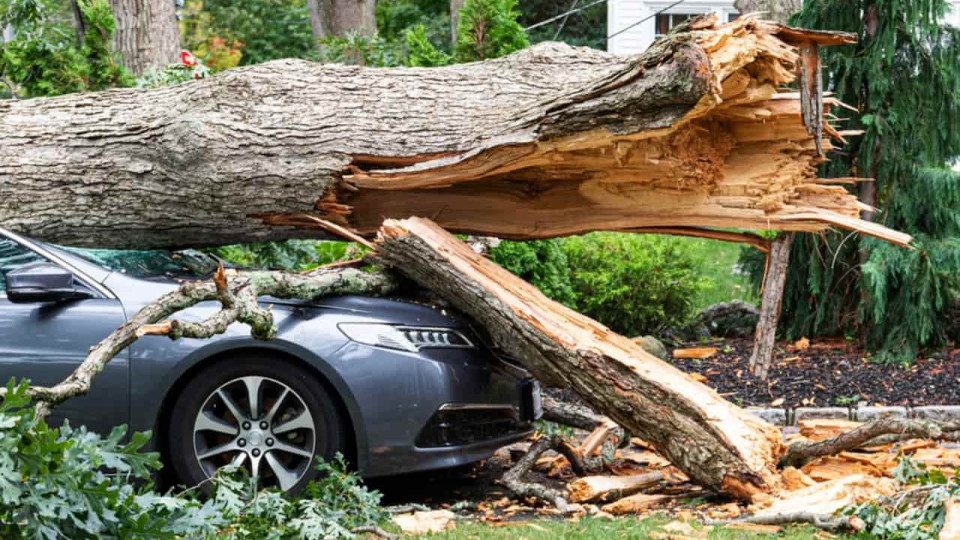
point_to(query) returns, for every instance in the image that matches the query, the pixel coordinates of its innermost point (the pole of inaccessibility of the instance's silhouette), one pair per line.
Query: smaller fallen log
(606, 488)
(570, 414)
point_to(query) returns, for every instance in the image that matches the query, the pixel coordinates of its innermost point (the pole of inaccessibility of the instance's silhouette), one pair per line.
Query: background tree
(455, 7)
(43, 59)
(147, 36)
(586, 28)
(339, 17)
(774, 10)
(224, 33)
(904, 77)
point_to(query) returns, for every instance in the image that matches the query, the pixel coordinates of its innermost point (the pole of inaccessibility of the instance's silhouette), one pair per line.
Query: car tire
(211, 424)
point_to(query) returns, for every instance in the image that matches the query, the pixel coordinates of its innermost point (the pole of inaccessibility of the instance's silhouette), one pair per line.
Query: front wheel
(270, 416)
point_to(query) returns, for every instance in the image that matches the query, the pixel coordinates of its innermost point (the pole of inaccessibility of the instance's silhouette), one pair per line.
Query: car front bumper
(436, 408)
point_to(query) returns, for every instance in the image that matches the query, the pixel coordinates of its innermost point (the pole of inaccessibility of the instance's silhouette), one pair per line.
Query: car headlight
(405, 338)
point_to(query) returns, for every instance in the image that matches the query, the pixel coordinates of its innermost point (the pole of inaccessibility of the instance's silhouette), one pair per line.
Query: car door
(45, 342)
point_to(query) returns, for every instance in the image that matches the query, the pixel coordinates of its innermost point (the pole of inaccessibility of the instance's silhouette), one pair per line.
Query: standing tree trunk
(147, 36)
(455, 7)
(549, 141)
(775, 10)
(774, 279)
(339, 17)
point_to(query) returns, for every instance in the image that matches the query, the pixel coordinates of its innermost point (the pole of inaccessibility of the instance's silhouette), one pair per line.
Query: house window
(666, 21)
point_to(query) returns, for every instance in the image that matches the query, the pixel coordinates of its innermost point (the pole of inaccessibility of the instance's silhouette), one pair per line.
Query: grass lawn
(719, 260)
(603, 529)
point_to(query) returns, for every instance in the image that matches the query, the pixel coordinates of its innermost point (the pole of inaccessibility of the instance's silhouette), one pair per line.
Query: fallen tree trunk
(549, 141)
(715, 443)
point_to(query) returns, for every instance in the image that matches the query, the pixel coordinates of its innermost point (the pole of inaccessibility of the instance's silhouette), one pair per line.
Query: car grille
(455, 426)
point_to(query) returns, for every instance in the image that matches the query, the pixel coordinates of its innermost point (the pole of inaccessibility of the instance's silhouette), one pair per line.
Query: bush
(291, 255)
(635, 284)
(541, 262)
(69, 483)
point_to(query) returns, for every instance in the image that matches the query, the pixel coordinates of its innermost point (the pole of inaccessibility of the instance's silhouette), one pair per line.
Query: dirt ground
(827, 373)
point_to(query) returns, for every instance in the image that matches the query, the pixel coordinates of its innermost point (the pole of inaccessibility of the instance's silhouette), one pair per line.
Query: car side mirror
(42, 282)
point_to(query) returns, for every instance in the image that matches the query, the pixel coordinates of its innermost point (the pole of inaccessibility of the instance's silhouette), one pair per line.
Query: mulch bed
(828, 373)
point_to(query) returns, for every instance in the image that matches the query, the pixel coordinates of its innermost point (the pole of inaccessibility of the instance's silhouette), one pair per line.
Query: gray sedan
(394, 385)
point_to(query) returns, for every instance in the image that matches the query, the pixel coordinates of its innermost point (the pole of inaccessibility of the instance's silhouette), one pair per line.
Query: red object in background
(187, 59)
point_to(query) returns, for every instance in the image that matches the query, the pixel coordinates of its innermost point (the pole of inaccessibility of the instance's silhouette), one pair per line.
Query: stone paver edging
(860, 413)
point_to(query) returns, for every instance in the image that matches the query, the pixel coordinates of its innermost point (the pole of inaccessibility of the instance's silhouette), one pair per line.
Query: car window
(13, 256)
(151, 263)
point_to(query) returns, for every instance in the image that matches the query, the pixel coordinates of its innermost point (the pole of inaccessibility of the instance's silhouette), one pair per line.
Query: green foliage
(906, 79)
(895, 518)
(586, 28)
(261, 30)
(189, 69)
(70, 483)
(422, 52)
(44, 59)
(543, 263)
(635, 284)
(360, 50)
(295, 255)
(488, 29)
(329, 510)
(485, 29)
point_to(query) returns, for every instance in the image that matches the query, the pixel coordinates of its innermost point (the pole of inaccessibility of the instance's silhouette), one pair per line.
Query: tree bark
(774, 279)
(455, 7)
(775, 10)
(717, 444)
(549, 141)
(339, 17)
(147, 36)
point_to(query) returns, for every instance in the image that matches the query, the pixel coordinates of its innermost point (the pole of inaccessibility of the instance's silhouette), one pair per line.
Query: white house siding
(623, 13)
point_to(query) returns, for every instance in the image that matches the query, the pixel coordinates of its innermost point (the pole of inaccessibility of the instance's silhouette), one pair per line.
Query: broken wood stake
(774, 280)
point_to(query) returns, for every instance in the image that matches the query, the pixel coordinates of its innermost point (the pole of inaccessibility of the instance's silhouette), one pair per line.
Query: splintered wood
(741, 157)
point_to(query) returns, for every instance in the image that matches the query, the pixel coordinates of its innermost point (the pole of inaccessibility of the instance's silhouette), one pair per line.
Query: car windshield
(151, 263)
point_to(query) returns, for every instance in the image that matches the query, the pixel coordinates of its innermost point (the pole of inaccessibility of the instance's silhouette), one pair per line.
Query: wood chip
(755, 527)
(818, 429)
(424, 522)
(695, 352)
(633, 504)
(951, 521)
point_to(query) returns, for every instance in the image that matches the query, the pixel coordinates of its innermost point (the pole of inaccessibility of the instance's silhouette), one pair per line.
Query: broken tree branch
(238, 293)
(800, 452)
(716, 444)
(513, 478)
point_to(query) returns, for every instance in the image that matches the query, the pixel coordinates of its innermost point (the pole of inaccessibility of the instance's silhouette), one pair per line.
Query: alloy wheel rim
(257, 423)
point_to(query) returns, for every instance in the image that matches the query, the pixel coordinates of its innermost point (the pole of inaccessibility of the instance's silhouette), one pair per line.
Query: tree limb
(238, 294)
(801, 452)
